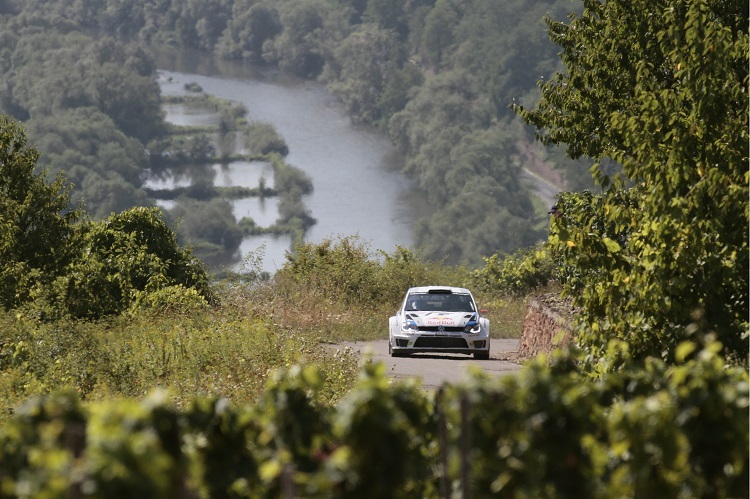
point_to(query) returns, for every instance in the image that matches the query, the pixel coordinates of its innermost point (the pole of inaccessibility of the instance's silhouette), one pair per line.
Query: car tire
(482, 355)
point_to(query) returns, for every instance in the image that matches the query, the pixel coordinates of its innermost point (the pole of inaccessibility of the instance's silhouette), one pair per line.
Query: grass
(506, 317)
(334, 295)
(217, 353)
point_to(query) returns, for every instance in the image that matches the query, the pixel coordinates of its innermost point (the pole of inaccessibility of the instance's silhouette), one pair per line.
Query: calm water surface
(358, 189)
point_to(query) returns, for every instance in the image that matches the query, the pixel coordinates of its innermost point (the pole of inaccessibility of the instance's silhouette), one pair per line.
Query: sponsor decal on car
(441, 321)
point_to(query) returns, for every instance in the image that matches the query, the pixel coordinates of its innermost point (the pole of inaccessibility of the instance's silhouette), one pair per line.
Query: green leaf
(611, 245)
(683, 350)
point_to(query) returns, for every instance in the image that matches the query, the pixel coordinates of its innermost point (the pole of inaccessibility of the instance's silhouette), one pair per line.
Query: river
(358, 187)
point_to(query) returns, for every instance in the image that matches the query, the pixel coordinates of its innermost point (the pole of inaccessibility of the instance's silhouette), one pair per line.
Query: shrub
(345, 270)
(649, 430)
(37, 234)
(170, 299)
(519, 273)
(262, 138)
(340, 270)
(124, 256)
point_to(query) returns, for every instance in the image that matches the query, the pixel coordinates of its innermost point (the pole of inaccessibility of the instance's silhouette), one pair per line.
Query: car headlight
(473, 326)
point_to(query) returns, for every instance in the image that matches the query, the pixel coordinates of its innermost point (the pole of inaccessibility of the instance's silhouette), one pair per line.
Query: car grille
(439, 342)
(447, 329)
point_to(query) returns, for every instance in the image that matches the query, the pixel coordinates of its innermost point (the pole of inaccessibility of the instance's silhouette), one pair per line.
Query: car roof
(426, 289)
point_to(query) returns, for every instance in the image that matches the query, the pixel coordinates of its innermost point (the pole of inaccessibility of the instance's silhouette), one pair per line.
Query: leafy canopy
(36, 234)
(659, 87)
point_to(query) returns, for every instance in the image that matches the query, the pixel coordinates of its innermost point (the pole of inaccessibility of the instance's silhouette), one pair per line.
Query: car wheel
(482, 355)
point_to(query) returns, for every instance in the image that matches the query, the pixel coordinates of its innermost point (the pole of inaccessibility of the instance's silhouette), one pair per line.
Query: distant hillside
(437, 77)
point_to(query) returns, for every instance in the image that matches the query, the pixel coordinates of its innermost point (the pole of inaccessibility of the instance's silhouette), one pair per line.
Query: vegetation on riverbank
(96, 115)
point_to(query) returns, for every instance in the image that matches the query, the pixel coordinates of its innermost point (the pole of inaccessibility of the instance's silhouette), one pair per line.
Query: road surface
(437, 369)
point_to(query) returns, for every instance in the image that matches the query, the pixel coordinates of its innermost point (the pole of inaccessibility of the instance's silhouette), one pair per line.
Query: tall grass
(217, 353)
(327, 293)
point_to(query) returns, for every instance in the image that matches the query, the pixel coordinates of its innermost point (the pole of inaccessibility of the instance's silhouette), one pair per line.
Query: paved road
(437, 369)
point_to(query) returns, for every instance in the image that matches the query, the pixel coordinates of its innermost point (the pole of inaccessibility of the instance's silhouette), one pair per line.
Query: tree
(248, 31)
(125, 258)
(660, 87)
(84, 269)
(110, 193)
(364, 62)
(388, 14)
(83, 140)
(200, 23)
(503, 44)
(438, 31)
(37, 238)
(300, 48)
(211, 222)
(52, 72)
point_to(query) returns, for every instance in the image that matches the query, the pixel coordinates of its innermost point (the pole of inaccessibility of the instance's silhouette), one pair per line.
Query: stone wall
(546, 326)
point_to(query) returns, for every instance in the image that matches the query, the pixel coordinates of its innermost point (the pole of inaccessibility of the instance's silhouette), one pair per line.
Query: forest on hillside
(438, 77)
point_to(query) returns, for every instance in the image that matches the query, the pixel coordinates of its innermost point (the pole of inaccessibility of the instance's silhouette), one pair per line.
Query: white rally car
(439, 319)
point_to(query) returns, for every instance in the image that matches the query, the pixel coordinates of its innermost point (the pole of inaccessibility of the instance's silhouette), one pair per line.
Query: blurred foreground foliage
(658, 431)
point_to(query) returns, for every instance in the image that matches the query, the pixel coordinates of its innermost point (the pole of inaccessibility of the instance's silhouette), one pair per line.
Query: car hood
(440, 318)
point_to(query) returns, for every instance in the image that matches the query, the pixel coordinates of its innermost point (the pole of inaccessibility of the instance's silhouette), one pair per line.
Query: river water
(358, 187)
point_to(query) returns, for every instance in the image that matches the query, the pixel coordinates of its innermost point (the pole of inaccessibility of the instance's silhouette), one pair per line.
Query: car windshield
(442, 302)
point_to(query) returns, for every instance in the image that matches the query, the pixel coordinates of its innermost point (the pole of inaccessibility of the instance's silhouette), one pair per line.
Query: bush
(519, 273)
(189, 351)
(37, 234)
(171, 299)
(647, 431)
(262, 139)
(123, 257)
(340, 270)
(345, 271)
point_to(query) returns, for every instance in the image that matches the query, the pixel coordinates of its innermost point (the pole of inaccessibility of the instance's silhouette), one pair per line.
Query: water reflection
(243, 173)
(168, 180)
(185, 175)
(182, 115)
(263, 211)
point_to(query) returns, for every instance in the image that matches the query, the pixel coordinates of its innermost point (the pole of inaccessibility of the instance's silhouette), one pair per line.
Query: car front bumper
(429, 342)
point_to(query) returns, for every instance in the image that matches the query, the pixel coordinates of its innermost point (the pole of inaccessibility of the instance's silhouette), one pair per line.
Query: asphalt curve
(437, 369)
